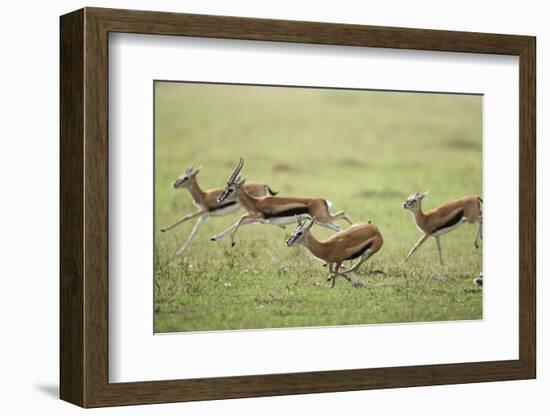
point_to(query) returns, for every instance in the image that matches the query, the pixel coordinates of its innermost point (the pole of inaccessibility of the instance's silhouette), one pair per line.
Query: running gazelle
(445, 218)
(359, 241)
(206, 201)
(272, 209)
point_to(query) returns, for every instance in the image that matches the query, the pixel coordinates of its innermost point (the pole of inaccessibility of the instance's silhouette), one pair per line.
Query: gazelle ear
(241, 181)
(197, 171)
(311, 222)
(298, 221)
(424, 194)
(189, 169)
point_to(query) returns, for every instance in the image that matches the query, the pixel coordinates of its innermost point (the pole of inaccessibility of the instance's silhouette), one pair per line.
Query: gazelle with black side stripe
(207, 203)
(359, 241)
(447, 217)
(273, 210)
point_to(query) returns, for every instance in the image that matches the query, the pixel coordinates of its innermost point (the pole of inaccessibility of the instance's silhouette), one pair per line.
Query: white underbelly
(446, 230)
(281, 220)
(224, 211)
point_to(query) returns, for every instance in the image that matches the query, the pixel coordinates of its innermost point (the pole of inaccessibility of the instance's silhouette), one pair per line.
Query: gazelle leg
(223, 233)
(330, 270)
(348, 219)
(330, 226)
(226, 231)
(363, 259)
(346, 273)
(418, 244)
(355, 282)
(322, 215)
(183, 219)
(191, 236)
(343, 216)
(437, 240)
(245, 219)
(333, 275)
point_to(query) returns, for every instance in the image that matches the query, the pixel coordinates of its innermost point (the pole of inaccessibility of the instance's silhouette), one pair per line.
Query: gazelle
(206, 201)
(360, 241)
(445, 218)
(274, 210)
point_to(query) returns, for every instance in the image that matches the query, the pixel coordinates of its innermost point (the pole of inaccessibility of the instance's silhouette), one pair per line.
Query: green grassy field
(365, 152)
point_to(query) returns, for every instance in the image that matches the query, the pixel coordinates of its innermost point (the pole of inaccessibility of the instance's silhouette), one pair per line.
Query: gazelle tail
(271, 191)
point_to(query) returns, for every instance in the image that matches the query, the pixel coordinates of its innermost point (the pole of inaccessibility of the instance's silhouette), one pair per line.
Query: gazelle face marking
(413, 201)
(228, 190)
(181, 182)
(300, 231)
(184, 179)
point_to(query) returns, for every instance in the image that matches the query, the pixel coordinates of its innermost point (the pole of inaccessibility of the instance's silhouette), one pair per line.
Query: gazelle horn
(236, 171)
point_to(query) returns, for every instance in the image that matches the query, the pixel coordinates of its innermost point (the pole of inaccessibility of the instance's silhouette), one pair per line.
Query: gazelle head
(184, 179)
(413, 201)
(301, 230)
(233, 184)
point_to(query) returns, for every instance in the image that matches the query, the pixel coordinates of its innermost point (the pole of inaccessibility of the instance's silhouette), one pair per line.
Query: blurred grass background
(365, 151)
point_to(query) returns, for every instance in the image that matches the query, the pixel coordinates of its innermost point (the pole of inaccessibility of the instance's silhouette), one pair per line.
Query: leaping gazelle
(206, 201)
(272, 209)
(445, 218)
(359, 241)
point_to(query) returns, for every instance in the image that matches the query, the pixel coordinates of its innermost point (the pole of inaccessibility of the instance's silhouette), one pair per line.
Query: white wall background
(29, 206)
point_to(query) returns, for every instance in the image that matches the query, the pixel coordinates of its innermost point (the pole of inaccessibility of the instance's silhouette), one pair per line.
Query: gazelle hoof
(163, 229)
(212, 238)
(233, 244)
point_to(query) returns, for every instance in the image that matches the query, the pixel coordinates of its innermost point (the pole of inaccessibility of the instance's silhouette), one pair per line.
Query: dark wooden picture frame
(84, 207)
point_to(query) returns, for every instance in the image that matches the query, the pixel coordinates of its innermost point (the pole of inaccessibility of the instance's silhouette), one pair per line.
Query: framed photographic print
(255, 207)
